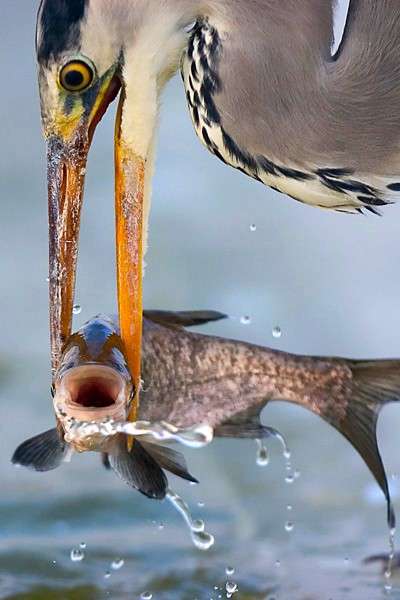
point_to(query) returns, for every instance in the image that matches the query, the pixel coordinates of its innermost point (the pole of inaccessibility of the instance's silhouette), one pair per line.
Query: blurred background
(220, 241)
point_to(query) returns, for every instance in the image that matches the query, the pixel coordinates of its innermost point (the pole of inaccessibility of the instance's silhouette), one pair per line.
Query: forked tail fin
(375, 383)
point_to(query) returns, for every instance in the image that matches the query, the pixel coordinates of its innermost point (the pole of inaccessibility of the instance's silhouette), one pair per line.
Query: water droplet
(392, 550)
(229, 571)
(200, 537)
(231, 587)
(77, 309)
(262, 454)
(47, 279)
(245, 320)
(54, 562)
(277, 332)
(198, 525)
(82, 545)
(253, 227)
(117, 564)
(146, 596)
(297, 474)
(107, 575)
(77, 555)
(161, 526)
(289, 526)
(201, 504)
(278, 563)
(289, 478)
(289, 507)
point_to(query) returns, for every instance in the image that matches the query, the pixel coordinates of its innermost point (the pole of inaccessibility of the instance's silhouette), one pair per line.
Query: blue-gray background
(330, 282)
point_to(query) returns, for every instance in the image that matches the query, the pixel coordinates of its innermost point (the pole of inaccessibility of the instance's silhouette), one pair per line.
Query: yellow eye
(76, 76)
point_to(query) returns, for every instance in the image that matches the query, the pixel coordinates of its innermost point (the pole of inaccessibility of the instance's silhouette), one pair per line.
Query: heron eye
(76, 76)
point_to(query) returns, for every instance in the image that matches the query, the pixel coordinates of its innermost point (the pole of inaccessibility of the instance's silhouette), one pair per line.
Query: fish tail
(375, 383)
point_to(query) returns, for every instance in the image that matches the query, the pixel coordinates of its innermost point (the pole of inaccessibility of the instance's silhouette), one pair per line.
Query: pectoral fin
(138, 469)
(44, 452)
(183, 318)
(245, 424)
(170, 460)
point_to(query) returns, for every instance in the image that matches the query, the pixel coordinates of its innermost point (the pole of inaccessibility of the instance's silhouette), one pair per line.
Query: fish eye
(76, 76)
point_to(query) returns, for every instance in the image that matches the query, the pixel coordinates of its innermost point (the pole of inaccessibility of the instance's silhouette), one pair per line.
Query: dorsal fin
(184, 318)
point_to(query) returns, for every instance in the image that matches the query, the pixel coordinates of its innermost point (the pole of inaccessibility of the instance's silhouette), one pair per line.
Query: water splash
(117, 564)
(77, 309)
(245, 320)
(77, 555)
(263, 458)
(262, 454)
(277, 332)
(200, 537)
(231, 588)
(389, 568)
(196, 436)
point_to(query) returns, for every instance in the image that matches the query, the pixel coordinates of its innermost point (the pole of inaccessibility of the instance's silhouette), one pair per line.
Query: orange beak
(129, 203)
(66, 173)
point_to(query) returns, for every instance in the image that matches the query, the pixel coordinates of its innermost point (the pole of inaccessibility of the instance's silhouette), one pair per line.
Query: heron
(266, 94)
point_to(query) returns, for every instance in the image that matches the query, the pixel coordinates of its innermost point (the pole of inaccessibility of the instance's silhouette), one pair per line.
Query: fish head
(92, 384)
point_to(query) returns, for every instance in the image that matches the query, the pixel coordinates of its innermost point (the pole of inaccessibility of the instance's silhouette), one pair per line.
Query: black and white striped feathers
(335, 187)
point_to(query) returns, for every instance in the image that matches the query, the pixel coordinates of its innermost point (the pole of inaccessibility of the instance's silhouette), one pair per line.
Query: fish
(191, 378)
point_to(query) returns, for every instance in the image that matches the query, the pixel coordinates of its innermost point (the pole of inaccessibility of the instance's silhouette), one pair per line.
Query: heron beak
(130, 170)
(68, 143)
(67, 157)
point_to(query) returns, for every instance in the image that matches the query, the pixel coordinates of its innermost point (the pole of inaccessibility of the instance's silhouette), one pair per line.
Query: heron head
(89, 51)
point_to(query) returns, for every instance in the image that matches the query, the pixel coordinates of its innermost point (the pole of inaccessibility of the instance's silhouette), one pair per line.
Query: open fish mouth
(91, 392)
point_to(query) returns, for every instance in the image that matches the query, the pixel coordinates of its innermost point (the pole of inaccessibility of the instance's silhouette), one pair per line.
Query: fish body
(189, 378)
